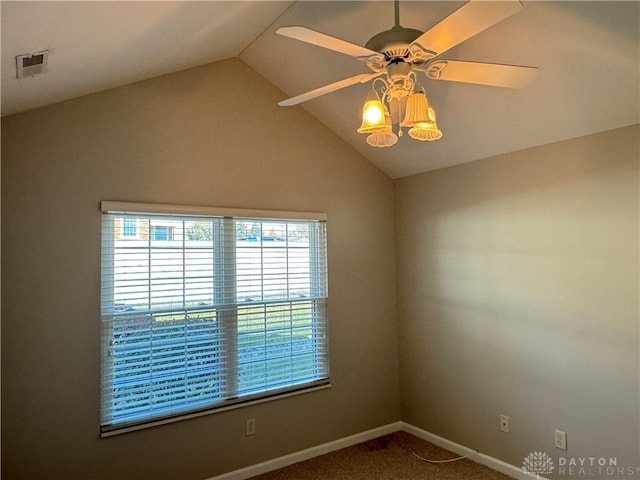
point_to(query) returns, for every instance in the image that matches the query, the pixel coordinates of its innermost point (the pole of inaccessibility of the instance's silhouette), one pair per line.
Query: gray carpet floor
(385, 458)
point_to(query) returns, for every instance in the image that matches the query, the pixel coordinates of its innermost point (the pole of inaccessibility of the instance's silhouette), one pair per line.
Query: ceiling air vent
(31, 64)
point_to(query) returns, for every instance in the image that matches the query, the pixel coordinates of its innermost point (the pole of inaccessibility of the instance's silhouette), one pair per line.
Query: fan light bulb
(373, 112)
(373, 115)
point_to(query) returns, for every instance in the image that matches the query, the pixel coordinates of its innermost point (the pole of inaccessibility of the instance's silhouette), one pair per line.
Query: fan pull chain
(399, 119)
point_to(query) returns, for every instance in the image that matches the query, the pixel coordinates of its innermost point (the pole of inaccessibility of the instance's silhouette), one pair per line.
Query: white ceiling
(588, 54)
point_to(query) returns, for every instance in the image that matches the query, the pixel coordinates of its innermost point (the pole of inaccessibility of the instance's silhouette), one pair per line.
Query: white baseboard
(286, 460)
(477, 457)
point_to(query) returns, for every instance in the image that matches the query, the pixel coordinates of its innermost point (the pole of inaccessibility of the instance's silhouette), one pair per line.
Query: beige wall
(518, 295)
(208, 136)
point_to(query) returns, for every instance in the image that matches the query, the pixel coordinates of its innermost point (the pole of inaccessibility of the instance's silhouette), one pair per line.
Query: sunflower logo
(538, 463)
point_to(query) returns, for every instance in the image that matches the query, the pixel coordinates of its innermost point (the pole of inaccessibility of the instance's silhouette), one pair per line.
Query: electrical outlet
(250, 427)
(505, 424)
(560, 439)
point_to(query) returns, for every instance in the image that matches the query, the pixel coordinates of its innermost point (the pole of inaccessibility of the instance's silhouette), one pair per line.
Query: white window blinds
(201, 312)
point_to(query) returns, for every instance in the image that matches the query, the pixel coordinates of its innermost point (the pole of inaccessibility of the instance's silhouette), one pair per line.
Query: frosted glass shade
(373, 117)
(425, 132)
(416, 110)
(386, 138)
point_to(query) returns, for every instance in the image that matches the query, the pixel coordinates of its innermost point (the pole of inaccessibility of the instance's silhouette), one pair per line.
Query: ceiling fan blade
(470, 19)
(332, 43)
(332, 87)
(497, 75)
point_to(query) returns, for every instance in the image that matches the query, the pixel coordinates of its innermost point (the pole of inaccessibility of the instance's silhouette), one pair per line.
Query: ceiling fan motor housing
(398, 71)
(393, 43)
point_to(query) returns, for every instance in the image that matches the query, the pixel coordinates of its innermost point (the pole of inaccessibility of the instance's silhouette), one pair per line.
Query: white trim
(478, 457)
(301, 456)
(159, 208)
(307, 454)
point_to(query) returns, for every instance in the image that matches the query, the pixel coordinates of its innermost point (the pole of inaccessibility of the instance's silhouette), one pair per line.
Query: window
(213, 309)
(129, 227)
(162, 232)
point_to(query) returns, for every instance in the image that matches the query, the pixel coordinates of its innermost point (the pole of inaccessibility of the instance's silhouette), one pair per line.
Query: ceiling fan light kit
(418, 115)
(401, 53)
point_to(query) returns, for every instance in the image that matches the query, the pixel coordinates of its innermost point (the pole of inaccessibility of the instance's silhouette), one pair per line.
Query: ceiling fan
(402, 52)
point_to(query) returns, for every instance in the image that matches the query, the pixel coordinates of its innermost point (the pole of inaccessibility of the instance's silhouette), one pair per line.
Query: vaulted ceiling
(587, 54)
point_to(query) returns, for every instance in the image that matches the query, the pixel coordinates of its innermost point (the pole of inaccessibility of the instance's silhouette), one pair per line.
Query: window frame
(227, 215)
